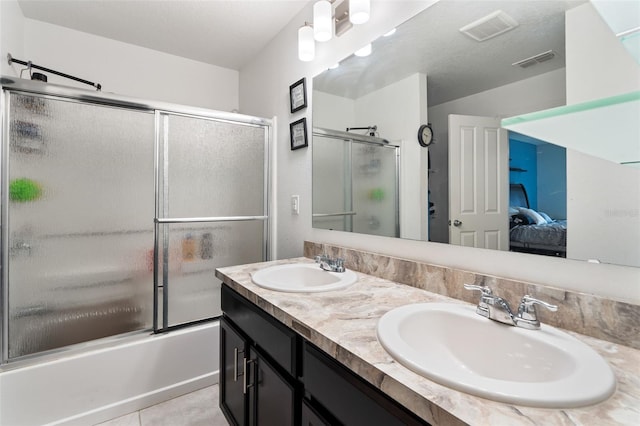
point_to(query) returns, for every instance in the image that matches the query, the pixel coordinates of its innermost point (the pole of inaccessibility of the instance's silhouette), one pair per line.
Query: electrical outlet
(295, 204)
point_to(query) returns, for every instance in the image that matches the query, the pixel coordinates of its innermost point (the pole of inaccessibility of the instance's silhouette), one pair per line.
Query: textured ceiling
(230, 33)
(218, 32)
(455, 64)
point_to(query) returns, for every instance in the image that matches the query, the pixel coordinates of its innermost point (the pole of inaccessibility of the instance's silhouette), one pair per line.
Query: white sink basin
(452, 345)
(302, 278)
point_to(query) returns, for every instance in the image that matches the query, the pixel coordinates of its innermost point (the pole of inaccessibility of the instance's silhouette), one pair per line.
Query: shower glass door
(332, 201)
(355, 185)
(211, 212)
(375, 189)
(78, 265)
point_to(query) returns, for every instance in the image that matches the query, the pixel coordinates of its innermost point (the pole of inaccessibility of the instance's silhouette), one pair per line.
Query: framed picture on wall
(298, 134)
(298, 95)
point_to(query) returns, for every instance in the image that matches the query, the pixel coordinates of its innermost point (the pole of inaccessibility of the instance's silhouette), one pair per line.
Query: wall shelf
(608, 128)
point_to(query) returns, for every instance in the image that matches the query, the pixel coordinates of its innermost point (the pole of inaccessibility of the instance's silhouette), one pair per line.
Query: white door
(478, 182)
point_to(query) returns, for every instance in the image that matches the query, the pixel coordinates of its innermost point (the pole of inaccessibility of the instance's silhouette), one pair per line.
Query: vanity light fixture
(365, 51)
(359, 11)
(322, 20)
(306, 43)
(331, 17)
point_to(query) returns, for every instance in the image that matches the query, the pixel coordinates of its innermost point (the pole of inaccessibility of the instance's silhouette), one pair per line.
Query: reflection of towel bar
(333, 214)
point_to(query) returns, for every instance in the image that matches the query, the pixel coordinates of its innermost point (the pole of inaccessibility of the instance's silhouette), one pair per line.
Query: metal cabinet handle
(245, 385)
(236, 351)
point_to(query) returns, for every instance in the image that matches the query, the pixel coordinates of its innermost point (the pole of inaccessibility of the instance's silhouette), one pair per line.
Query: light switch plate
(295, 204)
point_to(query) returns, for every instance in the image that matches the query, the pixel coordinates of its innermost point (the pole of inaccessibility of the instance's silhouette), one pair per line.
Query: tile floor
(199, 408)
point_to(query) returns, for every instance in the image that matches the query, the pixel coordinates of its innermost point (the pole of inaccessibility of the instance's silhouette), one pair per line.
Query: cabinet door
(232, 390)
(271, 396)
(310, 417)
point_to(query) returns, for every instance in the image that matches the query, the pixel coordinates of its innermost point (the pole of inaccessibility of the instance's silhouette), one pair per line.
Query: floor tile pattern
(199, 408)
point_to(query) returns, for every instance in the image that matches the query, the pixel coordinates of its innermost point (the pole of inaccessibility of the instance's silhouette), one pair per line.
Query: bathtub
(96, 385)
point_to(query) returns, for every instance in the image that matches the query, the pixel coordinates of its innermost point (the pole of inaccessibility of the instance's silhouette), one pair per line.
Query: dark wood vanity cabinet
(258, 384)
(232, 385)
(269, 375)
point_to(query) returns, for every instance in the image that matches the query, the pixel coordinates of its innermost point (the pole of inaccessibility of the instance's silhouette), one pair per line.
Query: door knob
(457, 223)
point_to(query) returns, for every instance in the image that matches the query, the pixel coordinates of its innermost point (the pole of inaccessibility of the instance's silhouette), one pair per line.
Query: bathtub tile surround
(615, 321)
(343, 324)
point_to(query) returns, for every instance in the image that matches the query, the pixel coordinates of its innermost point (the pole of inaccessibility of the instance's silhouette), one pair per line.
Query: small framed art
(298, 95)
(298, 134)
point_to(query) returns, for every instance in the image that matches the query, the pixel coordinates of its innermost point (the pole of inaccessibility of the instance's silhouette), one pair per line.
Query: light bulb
(359, 11)
(322, 22)
(306, 44)
(365, 51)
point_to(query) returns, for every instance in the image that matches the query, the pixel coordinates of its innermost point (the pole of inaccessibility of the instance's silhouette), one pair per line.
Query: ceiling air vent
(536, 59)
(490, 26)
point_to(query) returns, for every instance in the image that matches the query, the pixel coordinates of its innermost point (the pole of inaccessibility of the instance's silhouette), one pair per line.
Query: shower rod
(30, 65)
(371, 129)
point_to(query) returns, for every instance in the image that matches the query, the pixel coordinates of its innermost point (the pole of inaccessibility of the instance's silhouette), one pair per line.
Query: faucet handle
(486, 291)
(483, 307)
(528, 315)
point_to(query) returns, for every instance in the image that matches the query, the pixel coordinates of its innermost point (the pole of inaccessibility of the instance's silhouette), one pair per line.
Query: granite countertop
(343, 324)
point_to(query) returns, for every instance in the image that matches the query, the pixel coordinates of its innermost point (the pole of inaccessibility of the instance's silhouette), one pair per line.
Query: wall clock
(425, 135)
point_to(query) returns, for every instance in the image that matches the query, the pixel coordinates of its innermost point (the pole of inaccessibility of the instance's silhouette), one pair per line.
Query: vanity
(314, 358)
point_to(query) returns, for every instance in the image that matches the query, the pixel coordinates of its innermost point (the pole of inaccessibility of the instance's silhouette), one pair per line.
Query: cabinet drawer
(274, 338)
(350, 399)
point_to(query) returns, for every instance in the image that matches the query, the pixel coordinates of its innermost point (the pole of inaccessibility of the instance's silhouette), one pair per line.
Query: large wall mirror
(475, 184)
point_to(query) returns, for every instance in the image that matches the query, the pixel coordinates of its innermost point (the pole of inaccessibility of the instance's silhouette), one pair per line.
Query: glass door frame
(162, 221)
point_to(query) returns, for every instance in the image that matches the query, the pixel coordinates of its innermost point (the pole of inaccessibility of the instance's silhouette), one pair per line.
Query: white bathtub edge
(138, 402)
(99, 385)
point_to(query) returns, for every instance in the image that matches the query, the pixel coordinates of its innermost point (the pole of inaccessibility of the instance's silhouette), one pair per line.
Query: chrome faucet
(329, 264)
(497, 309)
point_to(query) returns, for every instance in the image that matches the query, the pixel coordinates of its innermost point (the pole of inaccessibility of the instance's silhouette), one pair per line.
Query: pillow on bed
(546, 217)
(532, 215)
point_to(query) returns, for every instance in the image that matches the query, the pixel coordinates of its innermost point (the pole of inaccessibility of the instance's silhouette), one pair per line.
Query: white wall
(264, 91)
(604, 204)
(11, 35)
(119, 67)
(338, 113)
(598, 65)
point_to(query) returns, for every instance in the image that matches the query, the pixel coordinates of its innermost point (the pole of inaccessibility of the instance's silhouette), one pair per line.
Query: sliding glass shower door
(355, 184)
(77, 265)
(115, 214)
(212, 210)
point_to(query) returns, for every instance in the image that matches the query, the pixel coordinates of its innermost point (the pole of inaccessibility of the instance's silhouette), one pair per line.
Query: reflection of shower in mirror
(371, 130)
